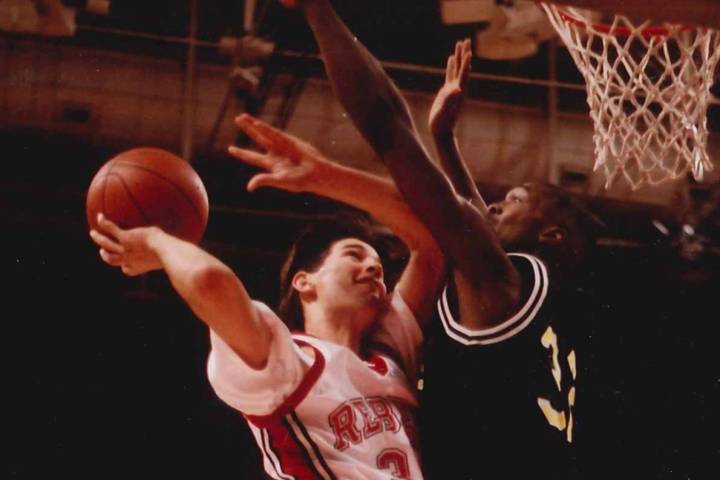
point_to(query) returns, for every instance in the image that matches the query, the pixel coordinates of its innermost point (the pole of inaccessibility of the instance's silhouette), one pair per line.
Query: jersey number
(396, 461)
(559, 418)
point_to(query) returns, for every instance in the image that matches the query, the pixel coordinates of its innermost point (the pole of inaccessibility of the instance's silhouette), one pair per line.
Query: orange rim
(650, 31)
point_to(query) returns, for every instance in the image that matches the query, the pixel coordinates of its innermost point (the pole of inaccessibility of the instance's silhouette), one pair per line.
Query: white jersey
(318, 411)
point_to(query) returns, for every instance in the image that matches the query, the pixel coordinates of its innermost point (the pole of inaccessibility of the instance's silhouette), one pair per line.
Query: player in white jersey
(334, 401)
(318, 410)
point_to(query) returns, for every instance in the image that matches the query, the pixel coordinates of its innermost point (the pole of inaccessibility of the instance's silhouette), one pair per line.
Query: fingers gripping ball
(149, 186)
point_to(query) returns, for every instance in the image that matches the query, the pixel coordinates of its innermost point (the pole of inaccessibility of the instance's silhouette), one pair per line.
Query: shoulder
(535, 287)
(398, 335)
(397, 318)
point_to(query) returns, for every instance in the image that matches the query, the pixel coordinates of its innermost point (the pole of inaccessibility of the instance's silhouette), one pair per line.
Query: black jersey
(500, 402)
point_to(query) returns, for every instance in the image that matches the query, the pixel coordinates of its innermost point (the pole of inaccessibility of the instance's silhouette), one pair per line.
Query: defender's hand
(289, 163)
(127, 249)
(449, 99)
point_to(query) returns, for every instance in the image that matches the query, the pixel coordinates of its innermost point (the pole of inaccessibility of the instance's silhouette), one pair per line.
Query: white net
(648, 88)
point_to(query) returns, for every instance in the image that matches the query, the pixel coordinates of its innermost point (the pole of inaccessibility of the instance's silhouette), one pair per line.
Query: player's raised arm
(381, 114)
(292, 164)
(208, 286)
(481, 266)
(443, 118)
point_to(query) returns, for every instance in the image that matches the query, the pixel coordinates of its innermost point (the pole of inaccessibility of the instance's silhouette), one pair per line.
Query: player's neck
(340, 327)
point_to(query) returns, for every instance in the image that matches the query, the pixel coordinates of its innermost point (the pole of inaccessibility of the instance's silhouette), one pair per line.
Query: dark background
(105, 375)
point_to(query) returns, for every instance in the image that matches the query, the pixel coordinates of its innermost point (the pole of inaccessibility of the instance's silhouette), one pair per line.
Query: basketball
(149, 186)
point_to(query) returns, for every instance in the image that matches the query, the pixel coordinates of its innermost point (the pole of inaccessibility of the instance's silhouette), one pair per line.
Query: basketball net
(648, 89)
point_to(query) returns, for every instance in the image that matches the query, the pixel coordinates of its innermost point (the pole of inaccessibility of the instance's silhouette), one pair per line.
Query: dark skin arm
(443, 118)
(488, 284)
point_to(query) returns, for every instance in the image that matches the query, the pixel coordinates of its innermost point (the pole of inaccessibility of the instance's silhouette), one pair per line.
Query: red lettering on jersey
(372, 424)
(396, 461)
(342, 422)
(383, 411)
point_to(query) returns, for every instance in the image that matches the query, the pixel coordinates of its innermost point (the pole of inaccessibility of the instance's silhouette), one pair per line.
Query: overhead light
(514, 32)
(98, 7)
(661, 227)
(247, 79)
(248, 49)
(492, 47)
(454, 12)
(18, 16)
(41, 17)
(688, 229)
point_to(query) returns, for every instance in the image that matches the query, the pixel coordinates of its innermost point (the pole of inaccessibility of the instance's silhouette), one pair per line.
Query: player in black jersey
(513, 381)
(501, 367)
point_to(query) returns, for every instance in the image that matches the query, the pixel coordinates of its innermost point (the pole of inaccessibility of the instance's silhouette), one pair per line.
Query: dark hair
(309, 251)
(559, 207)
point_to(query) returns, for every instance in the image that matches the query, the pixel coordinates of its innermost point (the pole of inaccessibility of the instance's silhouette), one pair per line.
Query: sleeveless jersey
(318, 411)
(500, 402)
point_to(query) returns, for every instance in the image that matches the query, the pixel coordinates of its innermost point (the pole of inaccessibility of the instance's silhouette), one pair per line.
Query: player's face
(515, 219)
(351, 277)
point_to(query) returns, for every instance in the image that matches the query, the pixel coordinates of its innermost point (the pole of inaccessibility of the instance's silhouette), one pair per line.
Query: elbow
(210, 282)
(221, 302)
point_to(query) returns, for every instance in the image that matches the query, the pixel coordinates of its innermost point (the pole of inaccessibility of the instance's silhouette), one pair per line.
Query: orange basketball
(150, 186)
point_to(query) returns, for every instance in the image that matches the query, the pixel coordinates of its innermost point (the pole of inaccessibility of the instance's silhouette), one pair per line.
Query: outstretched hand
(449, 99)
(127, 249)
(289, 163)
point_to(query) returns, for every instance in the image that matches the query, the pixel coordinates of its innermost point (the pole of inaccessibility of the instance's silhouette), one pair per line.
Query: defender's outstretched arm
(294, 165)
(382, 116)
